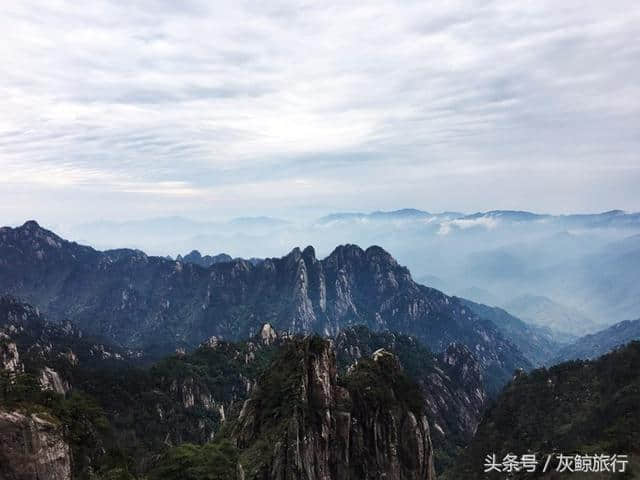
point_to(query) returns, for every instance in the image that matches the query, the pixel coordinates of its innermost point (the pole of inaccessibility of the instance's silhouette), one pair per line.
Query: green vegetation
(279, 398)
(212, 461)
(85, 426)
(578, 407)
(380, 384)
(129, 423)
(120, 419)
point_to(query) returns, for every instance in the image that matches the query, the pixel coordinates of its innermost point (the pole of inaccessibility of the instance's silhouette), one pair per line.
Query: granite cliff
(370, 424)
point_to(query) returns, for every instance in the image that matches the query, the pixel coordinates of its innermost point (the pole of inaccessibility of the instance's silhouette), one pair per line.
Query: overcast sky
(135, 109)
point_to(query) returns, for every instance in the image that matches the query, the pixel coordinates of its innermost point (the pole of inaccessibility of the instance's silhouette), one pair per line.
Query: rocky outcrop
(268, 335)
(9, 356)
(204, 261)
(51, 380)
(303, 422)
(32, 448)
(451, 383)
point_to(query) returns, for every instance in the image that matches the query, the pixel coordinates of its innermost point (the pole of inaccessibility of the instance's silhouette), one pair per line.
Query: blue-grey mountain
(138, 301)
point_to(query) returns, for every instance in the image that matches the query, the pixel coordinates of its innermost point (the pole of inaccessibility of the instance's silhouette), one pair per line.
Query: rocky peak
(294, 255)
(309, 255)
(321, 428)
(452, 389)
(387, 359)
(267, 334)
(31, 226)
(211, 342)
(9, 356)
(194, 256)
(379, 255)
(344, 254)
(31, 229)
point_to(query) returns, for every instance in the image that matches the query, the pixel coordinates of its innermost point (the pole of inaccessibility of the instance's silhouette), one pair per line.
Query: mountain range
(139, 301)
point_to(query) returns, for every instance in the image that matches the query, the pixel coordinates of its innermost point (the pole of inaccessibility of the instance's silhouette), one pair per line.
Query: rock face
(303, 422)
(137, 300)
(9, 356)
(32, 448)
(451, 383)
(50, 380)
(268, 334)
(456, 397)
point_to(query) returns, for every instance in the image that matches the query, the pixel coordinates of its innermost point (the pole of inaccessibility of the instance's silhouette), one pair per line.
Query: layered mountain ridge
(138, 301)
(598, 343)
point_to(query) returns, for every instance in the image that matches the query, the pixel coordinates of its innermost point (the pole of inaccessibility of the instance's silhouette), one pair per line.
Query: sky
(126, 110)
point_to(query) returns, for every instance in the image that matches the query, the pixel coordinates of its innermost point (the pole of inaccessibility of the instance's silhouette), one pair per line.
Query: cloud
(488, 223)
(439, 105)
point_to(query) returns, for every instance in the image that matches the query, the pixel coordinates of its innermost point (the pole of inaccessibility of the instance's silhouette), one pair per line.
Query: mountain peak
(34, 235)
(31, 224)
(386, 358)
(295, 254)
(347, 249)
(268, 334)
(376, 253)
(309, 253)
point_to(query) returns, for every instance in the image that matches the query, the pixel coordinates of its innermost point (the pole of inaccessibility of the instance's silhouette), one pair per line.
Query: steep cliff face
(303, 422)
(138, 300)
(451, 383)
(32, 448)
(456, 395)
